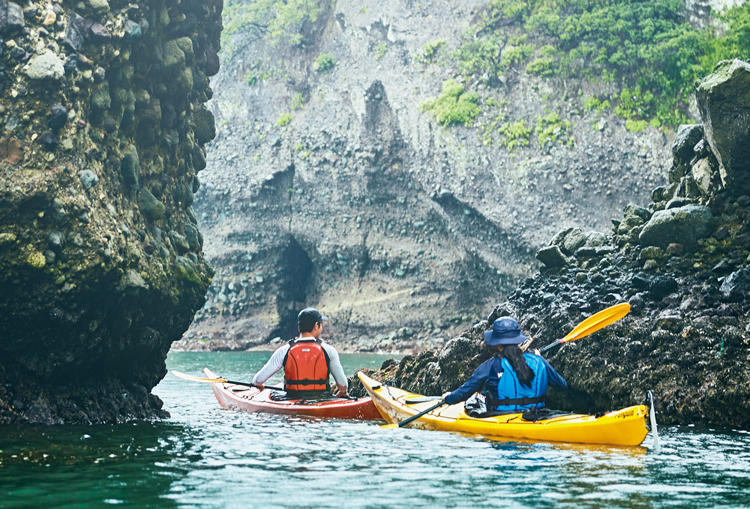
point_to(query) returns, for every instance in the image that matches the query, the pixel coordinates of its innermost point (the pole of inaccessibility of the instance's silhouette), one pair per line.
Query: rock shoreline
(682, 262)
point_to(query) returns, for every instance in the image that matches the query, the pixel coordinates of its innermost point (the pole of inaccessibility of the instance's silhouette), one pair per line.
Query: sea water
(204, 456)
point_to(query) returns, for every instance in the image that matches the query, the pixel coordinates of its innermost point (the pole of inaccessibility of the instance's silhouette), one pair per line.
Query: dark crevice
(297, 272)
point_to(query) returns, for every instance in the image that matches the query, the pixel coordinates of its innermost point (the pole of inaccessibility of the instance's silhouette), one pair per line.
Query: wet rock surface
(687, 337)
(100, 141)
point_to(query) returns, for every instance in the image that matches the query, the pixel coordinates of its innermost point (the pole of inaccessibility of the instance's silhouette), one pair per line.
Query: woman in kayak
(511, 380)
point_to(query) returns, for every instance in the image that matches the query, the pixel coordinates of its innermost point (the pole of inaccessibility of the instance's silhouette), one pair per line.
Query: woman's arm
(554, 377)
(472, 385)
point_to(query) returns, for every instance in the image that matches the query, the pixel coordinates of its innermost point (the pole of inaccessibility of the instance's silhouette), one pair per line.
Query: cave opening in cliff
(297, 271)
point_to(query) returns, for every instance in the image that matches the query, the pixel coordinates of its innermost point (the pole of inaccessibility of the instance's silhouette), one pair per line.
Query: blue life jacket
(512, 395)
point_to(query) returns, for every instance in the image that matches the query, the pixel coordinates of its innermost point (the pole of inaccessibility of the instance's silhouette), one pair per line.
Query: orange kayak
(251, 399)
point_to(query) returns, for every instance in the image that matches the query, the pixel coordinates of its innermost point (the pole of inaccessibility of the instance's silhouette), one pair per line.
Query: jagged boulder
(552, 257)
(684, 225)
(724, 102)
(736, 286)
(45, 66)
(688, 135)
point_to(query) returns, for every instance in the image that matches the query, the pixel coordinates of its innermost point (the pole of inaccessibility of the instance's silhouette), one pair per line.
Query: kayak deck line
(624, 427)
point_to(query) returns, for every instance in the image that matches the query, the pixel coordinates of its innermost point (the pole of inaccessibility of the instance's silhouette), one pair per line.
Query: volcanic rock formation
(394, 220)
(683, 263)
(103, 127)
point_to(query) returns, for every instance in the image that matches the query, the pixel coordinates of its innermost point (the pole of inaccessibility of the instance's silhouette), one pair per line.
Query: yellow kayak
(620, 427)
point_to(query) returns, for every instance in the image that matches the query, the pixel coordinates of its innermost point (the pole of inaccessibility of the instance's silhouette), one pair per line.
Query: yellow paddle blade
(192, 378)
(390, 426)
(597, 321)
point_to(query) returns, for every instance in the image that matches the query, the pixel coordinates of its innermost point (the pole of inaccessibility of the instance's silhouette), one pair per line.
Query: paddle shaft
(257, 386)
(544, 349)
(420, 414)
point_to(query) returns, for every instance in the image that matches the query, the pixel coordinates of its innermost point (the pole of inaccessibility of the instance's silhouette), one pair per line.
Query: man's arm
(337, 370)
(275, 363)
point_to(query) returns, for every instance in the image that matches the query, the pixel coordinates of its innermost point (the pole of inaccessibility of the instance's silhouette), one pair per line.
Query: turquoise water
(207, 457)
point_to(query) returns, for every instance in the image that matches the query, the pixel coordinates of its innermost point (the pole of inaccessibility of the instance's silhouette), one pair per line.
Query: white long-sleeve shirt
(276, 362)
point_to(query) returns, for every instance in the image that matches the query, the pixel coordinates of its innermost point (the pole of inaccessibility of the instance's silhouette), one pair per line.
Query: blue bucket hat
(505, 331)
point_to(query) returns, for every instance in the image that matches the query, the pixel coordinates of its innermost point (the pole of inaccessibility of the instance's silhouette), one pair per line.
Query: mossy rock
(186, 46)
(203, 125)
(187, 272)
(174, 57)
(36, 260)
(130, 166)
(100, 98)
(150, 205)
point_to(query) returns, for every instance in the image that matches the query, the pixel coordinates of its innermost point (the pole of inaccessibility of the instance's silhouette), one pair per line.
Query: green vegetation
(516, 52)
(284, 119)
(324, 62)
(635, 126)
(285, 23)
(646, 47)
(545, 62)
(596, 104)
(551, 128)
(380, 50)
(429, 51)
(298, 101)
(516, 134)
(454, 106)
(275, 21)
(252, 78)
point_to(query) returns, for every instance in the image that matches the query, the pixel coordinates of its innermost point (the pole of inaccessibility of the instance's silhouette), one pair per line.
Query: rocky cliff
(103, 128)
(683, 263)
(329, 185)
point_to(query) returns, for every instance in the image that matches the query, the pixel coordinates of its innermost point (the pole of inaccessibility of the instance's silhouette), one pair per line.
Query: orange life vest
(306, 366)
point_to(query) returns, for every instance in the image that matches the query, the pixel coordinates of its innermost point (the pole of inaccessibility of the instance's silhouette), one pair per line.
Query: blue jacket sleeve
(555, 379)
(472, 385)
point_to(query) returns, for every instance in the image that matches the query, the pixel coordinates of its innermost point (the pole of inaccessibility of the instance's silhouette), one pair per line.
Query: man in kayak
(307, 361)
(511, 380)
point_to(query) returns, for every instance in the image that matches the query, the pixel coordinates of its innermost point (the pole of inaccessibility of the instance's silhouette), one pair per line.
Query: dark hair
(307, 319)
(515, 357)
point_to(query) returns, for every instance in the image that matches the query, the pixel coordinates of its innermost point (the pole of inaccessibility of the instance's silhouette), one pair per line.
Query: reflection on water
(209, 457)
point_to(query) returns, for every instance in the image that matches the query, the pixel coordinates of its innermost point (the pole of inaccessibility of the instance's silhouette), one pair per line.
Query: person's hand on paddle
(341, 393)
(259, 386)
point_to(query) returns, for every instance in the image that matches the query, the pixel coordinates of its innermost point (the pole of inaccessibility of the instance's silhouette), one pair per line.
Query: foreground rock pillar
(101, 266)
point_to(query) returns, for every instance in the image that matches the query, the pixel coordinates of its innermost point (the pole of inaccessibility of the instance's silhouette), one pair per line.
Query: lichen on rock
(103, 137)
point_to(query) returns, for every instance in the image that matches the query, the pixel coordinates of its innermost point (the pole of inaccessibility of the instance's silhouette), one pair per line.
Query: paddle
(192, 378)
(421, 399)
(593, 323)
(415, 416)
(588, 326)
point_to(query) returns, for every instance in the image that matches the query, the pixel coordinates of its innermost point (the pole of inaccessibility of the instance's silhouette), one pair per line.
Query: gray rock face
(684, 225)
(45, 66)
(724, 102)
(399, 217)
